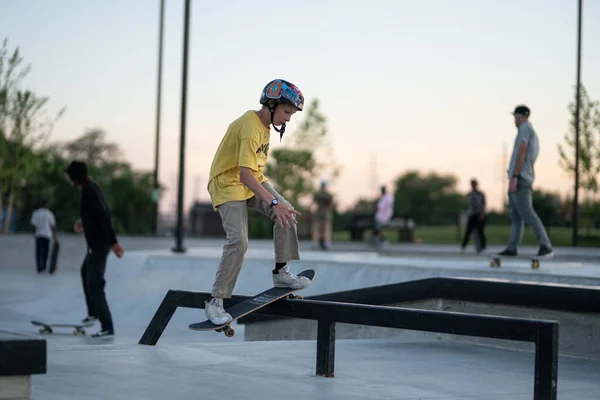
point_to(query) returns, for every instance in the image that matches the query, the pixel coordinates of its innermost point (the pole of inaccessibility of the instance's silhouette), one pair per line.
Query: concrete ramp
(188, 364)
(285, 370)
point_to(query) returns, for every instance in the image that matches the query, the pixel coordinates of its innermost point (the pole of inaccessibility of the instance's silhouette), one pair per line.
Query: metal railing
(544, 334)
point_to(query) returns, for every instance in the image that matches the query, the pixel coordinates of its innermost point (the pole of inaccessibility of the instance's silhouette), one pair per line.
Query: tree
(312, 136)
(26, 131)
(293, 172)
(127, 191)
(11, 74)
(93, 149)
(589, 148)
(24, 127)
(428, 199)
(294, 169)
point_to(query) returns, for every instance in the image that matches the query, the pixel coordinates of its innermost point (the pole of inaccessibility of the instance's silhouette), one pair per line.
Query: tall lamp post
(155, 191)
(577, 112)
(180, 228)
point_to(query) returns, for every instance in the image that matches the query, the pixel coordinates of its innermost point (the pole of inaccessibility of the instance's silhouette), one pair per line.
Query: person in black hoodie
(100, 237)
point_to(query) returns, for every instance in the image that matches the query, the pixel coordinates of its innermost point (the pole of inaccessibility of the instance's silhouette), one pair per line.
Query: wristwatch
(274, 202)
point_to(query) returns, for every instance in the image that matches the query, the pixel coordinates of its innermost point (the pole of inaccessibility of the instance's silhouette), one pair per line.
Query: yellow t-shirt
(245, 144)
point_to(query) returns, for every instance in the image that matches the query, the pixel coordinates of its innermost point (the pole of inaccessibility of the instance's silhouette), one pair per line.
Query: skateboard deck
(252, 304)
(78, 328)
(54, 257)
(496, 260)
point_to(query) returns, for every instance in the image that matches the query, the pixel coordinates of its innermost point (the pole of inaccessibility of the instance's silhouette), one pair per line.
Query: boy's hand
(512, 185)
(78, 227)
(285, 215)
(118, 250)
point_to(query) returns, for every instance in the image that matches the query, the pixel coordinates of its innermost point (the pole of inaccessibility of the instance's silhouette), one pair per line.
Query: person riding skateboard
(521, 175)
(100, 237)
(237, 182)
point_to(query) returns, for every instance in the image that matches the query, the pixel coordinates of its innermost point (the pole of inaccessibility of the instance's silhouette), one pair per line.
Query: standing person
(322, 217)
(100, 238)
(237, 182)
(385, 211)
(43, 224)
(476, 222)
(521, 176)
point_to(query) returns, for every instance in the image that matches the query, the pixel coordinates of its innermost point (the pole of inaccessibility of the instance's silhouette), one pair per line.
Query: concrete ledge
(579, 331)
(21, 355)
(15, 387)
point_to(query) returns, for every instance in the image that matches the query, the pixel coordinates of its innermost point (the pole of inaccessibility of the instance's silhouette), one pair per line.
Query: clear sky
(427, 84)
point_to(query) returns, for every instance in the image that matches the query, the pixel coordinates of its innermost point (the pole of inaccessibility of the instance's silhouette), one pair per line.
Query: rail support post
(546, 362)
(325, 348)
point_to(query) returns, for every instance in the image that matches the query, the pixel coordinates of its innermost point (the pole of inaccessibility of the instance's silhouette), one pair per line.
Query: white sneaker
(215, 312)
(285, 279)
(88, 319)
(103, 335)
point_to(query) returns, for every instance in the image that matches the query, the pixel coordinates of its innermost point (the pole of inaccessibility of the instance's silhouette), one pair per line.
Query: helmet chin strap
(280, 130)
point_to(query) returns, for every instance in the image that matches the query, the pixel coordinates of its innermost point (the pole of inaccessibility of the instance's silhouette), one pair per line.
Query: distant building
(205, 221)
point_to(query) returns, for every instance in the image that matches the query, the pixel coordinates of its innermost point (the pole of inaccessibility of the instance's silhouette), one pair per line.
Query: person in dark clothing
(100, 237)
(476, 221)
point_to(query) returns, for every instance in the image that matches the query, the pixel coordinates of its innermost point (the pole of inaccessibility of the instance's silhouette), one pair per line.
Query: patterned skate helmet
(283, 92)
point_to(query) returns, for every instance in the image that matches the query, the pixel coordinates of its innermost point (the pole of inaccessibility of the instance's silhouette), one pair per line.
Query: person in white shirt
(44, 229)
(385, 211)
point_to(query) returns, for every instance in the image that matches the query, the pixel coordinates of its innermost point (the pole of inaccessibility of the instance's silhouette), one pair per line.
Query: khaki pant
(321, 228)
(234, 215)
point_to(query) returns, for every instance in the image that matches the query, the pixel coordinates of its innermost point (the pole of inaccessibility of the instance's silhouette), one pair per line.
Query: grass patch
(496, 235)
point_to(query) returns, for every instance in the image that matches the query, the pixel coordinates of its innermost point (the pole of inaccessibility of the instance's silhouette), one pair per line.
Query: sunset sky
(415, 85)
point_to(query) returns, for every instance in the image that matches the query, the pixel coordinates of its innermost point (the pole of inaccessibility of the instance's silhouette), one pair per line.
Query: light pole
(155, 191)
(577, 112)
(180, 228)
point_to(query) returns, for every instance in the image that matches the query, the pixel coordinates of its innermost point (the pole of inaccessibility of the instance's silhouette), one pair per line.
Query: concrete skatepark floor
(186, 364)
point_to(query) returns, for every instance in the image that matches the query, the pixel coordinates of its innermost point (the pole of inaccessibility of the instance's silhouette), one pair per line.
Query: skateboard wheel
(229, 332)
(42, 330)
(83, 331)
(535, 264)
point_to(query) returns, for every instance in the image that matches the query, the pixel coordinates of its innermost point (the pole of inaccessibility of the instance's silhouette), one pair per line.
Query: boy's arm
(521, 153)
(248, 162)
(523, 138)
(254, 185)
(101, 214)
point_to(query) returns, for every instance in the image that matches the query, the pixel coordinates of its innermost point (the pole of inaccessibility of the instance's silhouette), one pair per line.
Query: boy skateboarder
(237, 182)
(100, 238)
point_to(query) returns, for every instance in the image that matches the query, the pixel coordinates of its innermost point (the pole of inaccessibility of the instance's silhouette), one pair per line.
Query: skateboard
(54, 257)
(78, 328)
(252, 304)
(497, 260)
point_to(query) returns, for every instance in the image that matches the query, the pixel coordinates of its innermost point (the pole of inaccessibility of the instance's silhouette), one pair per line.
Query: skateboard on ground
(54, 257)
(252, 304)
(497, 260)
(78, 328)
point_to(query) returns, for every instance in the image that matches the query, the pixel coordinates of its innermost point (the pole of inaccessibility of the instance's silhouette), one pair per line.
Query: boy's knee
(239, 242)
(96, 288)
